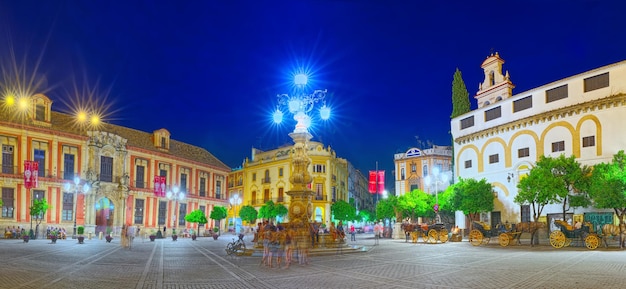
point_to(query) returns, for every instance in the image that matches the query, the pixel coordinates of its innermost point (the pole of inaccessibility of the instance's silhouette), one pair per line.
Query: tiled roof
(65, 123)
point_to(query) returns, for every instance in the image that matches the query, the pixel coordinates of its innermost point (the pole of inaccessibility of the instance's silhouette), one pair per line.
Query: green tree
(473, 197)
(416, 203)
(270, 210)
(608, 188)
(249, 214)
(37, 211)
(366, 216)
(460, 96)
(196, 216)
(218, 213)
(570, 181)
(386, 208)
(343, 211)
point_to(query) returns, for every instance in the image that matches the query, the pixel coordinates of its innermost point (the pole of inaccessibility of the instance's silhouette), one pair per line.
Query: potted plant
(174, 236)
(152, 236)
(108, 238)
(80, 230)
(215, 231)
(53, 237)
(196, 216)
(26, 238)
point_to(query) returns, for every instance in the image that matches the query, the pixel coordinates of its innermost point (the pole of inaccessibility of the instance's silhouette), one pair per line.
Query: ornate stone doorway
(104, 216)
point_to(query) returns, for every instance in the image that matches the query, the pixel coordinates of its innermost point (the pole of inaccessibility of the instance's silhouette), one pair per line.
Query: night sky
(209, 71)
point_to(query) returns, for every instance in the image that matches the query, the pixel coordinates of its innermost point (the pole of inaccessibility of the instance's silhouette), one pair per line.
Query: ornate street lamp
(300, 104)
(76, 188)
(438, 178)
(235, 201)
(177, 195)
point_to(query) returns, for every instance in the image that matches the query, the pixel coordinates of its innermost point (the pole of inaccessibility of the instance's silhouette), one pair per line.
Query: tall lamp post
(235, 201)
(436, 180)
(300, 104)
(76, 188)
(175, 194)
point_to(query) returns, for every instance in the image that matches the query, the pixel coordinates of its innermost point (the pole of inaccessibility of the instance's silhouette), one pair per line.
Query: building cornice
(549, 116)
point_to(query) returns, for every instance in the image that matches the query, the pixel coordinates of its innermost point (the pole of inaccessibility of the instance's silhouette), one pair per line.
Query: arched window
(491, 78)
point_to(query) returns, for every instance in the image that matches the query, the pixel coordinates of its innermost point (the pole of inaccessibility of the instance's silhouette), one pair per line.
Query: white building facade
(581, 115)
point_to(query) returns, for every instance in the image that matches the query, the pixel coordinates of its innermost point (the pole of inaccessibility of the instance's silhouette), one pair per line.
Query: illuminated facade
(119, 164)
(581, 115)
(265, 177)
(413, 167)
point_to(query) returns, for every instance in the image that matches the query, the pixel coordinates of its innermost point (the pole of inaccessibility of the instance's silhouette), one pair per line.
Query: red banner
(35, 177)
(28, 173)
(159, 186)
(376, 182)
(381, 182)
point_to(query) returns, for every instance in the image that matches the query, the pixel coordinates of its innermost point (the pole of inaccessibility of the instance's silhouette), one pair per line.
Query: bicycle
(238, 247)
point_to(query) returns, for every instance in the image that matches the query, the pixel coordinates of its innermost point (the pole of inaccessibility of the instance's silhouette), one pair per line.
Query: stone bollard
(100, 235)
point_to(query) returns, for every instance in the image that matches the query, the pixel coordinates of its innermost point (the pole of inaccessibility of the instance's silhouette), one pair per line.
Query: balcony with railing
(266, 180)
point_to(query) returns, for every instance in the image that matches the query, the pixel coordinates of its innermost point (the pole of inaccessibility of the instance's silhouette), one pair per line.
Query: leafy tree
(196, 216)
(249, 214)
(386, 208)
(365, 216)
(37, 211)
(270, 210)
(571, 181)
(218, 213)
(460, 96)
(416, 203)
(538, 188)
(608, 188)
(473, 197)
(343, 211)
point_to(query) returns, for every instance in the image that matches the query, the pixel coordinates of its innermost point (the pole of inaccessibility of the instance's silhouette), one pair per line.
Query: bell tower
(496, 86)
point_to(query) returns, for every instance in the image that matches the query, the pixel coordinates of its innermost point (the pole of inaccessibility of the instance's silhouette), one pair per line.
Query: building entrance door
(104, 216)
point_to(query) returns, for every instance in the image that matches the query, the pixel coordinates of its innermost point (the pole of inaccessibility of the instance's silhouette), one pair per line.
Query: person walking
(378, 230)
(352, 233)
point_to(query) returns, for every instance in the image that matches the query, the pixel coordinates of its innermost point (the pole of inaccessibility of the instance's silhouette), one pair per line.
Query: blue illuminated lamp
(300, 104)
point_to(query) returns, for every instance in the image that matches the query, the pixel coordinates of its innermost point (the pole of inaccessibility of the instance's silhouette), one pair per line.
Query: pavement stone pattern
(391, 264)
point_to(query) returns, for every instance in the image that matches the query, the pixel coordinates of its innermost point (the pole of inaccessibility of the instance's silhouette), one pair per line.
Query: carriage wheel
(557, 239)
(592, 242)
(432, 236)
(475, 237)
(443, 235)
(568, 241)
(425, 237)
(504, 239)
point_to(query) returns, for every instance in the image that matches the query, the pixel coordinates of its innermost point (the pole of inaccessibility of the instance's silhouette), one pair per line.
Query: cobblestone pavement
(392, 264)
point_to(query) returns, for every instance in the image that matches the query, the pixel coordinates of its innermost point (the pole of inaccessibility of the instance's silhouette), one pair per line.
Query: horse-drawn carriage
(564, 237)
(482, 234)
(429, 233)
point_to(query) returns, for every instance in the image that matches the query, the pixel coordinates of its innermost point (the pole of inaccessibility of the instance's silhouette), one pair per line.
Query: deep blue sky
(209, 71)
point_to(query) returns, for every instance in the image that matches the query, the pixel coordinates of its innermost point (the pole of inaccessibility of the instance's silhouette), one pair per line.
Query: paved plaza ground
(392, 264)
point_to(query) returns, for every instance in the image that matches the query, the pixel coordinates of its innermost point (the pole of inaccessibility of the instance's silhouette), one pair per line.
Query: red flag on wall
(34, 179)
(157, 186)
(28, 173)
(163, 185)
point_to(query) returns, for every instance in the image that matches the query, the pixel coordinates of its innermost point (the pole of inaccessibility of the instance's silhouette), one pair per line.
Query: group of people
(279, 244)
(127, 235)
(58, 232)
(14, 233)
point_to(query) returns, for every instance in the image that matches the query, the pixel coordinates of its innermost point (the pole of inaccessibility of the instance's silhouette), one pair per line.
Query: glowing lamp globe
(295, 105)
(300, 79)
(23, 103)
(278, 116)
(10, 100)
(325, 112)
(81, 116)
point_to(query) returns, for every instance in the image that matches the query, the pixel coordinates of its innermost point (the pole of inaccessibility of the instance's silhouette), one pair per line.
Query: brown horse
(609, 230)
(529, 227)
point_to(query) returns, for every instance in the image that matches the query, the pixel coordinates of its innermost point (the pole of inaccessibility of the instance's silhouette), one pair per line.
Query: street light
(177, 195)
(438, 178)
(235, 201)
(300, 104)
(68, 188)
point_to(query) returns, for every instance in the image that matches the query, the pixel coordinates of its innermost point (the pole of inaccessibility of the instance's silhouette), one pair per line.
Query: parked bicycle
(238, 247)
